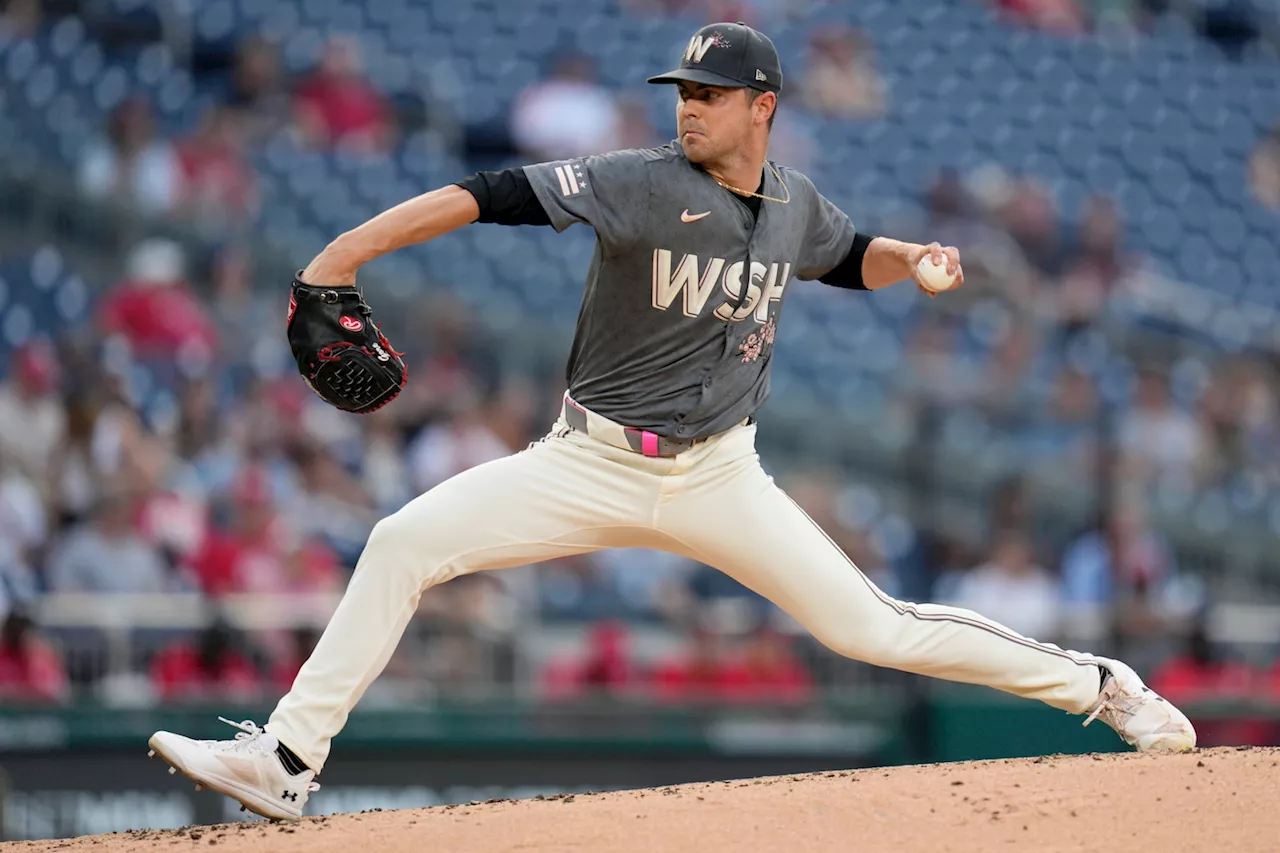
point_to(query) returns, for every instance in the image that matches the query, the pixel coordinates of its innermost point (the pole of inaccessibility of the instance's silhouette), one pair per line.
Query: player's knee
(394, 543)
(409, 543)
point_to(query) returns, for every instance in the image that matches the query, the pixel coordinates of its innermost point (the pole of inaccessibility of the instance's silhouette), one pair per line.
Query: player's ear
(763, 105)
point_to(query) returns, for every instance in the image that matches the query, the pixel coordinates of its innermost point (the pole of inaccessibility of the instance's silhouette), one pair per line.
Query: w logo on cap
(699, 45)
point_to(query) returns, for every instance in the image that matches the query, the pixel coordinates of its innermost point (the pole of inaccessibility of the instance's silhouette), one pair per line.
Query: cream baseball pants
(572, 493)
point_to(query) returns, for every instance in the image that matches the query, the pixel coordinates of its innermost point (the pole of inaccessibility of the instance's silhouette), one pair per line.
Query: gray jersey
(666, 339)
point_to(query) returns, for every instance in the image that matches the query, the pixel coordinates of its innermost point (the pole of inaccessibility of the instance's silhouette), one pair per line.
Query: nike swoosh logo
(688, 217)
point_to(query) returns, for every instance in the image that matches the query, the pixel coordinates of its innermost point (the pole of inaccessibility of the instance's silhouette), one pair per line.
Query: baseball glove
(340, 351)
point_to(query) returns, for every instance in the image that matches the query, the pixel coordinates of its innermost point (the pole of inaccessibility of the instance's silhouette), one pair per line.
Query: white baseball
(935, 276)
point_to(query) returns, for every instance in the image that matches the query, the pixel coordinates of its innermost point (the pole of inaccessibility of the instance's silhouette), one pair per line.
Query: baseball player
(698, 243)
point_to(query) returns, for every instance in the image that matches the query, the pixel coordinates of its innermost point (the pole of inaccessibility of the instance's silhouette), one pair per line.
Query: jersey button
(682, 430)
(706, 383)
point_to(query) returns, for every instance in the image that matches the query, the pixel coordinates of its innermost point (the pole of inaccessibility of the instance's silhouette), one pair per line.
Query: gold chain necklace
(734, 189)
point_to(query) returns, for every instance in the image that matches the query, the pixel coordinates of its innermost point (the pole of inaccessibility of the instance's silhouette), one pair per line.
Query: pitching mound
(1220, 799)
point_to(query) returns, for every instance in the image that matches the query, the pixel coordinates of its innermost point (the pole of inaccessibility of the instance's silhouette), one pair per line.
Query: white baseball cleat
(246, 769)
(1141, 716)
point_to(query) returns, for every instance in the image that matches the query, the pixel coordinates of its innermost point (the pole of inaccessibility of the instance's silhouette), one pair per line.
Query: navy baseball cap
(732, 55)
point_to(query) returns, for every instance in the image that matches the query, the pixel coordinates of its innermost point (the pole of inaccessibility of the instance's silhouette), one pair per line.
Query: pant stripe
(909, 609)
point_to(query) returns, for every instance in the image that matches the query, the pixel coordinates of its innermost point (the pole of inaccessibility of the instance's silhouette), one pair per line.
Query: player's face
(712, 120)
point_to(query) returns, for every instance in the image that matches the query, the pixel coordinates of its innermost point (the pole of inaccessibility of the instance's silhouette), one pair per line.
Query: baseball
(934, 276)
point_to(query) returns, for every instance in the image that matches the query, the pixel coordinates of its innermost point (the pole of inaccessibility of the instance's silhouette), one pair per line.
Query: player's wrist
(335, 266)
(909, 254)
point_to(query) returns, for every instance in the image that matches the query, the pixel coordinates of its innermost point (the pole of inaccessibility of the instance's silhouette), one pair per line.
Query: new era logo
(760, 76)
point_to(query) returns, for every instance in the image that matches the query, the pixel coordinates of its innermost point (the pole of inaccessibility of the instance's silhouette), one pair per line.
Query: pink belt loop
(649, 443)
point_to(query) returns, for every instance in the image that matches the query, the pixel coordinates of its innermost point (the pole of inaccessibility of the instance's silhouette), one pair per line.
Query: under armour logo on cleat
(289, 795)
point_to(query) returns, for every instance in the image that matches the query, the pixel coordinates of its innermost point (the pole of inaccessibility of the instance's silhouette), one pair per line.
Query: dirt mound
(1220, 799)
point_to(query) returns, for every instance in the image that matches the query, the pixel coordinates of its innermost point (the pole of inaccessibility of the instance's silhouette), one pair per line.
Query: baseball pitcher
(698, 243)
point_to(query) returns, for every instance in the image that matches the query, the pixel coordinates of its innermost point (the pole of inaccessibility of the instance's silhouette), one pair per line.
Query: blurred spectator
(337, 105)
(18, 583)
(333, 507)
(1010, 505)
(513, 415)
(1062, 17)
(174, 520)
(383, 473)
(247, 317)
(1028, 214)
(841, 80)
(132, 165)
(934, 373)
(1264, 170)
(107, 555)
(816, 494)
(953, 217)
(1005, 393)
(212, 668)
(258, 550)
(634, 128)
(1202, 672)
(458, 360)
(203, 438)
(1158, 437)
(1095, 266)
(285, 668)
(31, 671)
(716, 591)
(1120, 17)
(747, 11)
(76, 472)
(1067, 430)
(584, 587)
(460, 640)
(257, 92)
(218, 184)
(463, 440)
(663, 7)
(33, 421)
(946, 201)
(20, 18)
(1125, 560)
(952, 560)
(791, 142)
(604, 669)
(1231, 24)
(24, 523)
(644, 583)
(1012, 589)
(1237, 415)
(702, 673)
(768, 672)
(155, 309)
(569, 114)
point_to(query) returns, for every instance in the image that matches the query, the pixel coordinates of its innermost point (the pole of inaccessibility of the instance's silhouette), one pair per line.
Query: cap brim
(697, 75)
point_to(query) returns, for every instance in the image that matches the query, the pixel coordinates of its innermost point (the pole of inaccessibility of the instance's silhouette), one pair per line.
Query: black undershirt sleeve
(505, 198)
(848, 273)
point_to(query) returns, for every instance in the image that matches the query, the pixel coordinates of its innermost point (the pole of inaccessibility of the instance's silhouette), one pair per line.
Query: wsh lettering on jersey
(695, 283)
